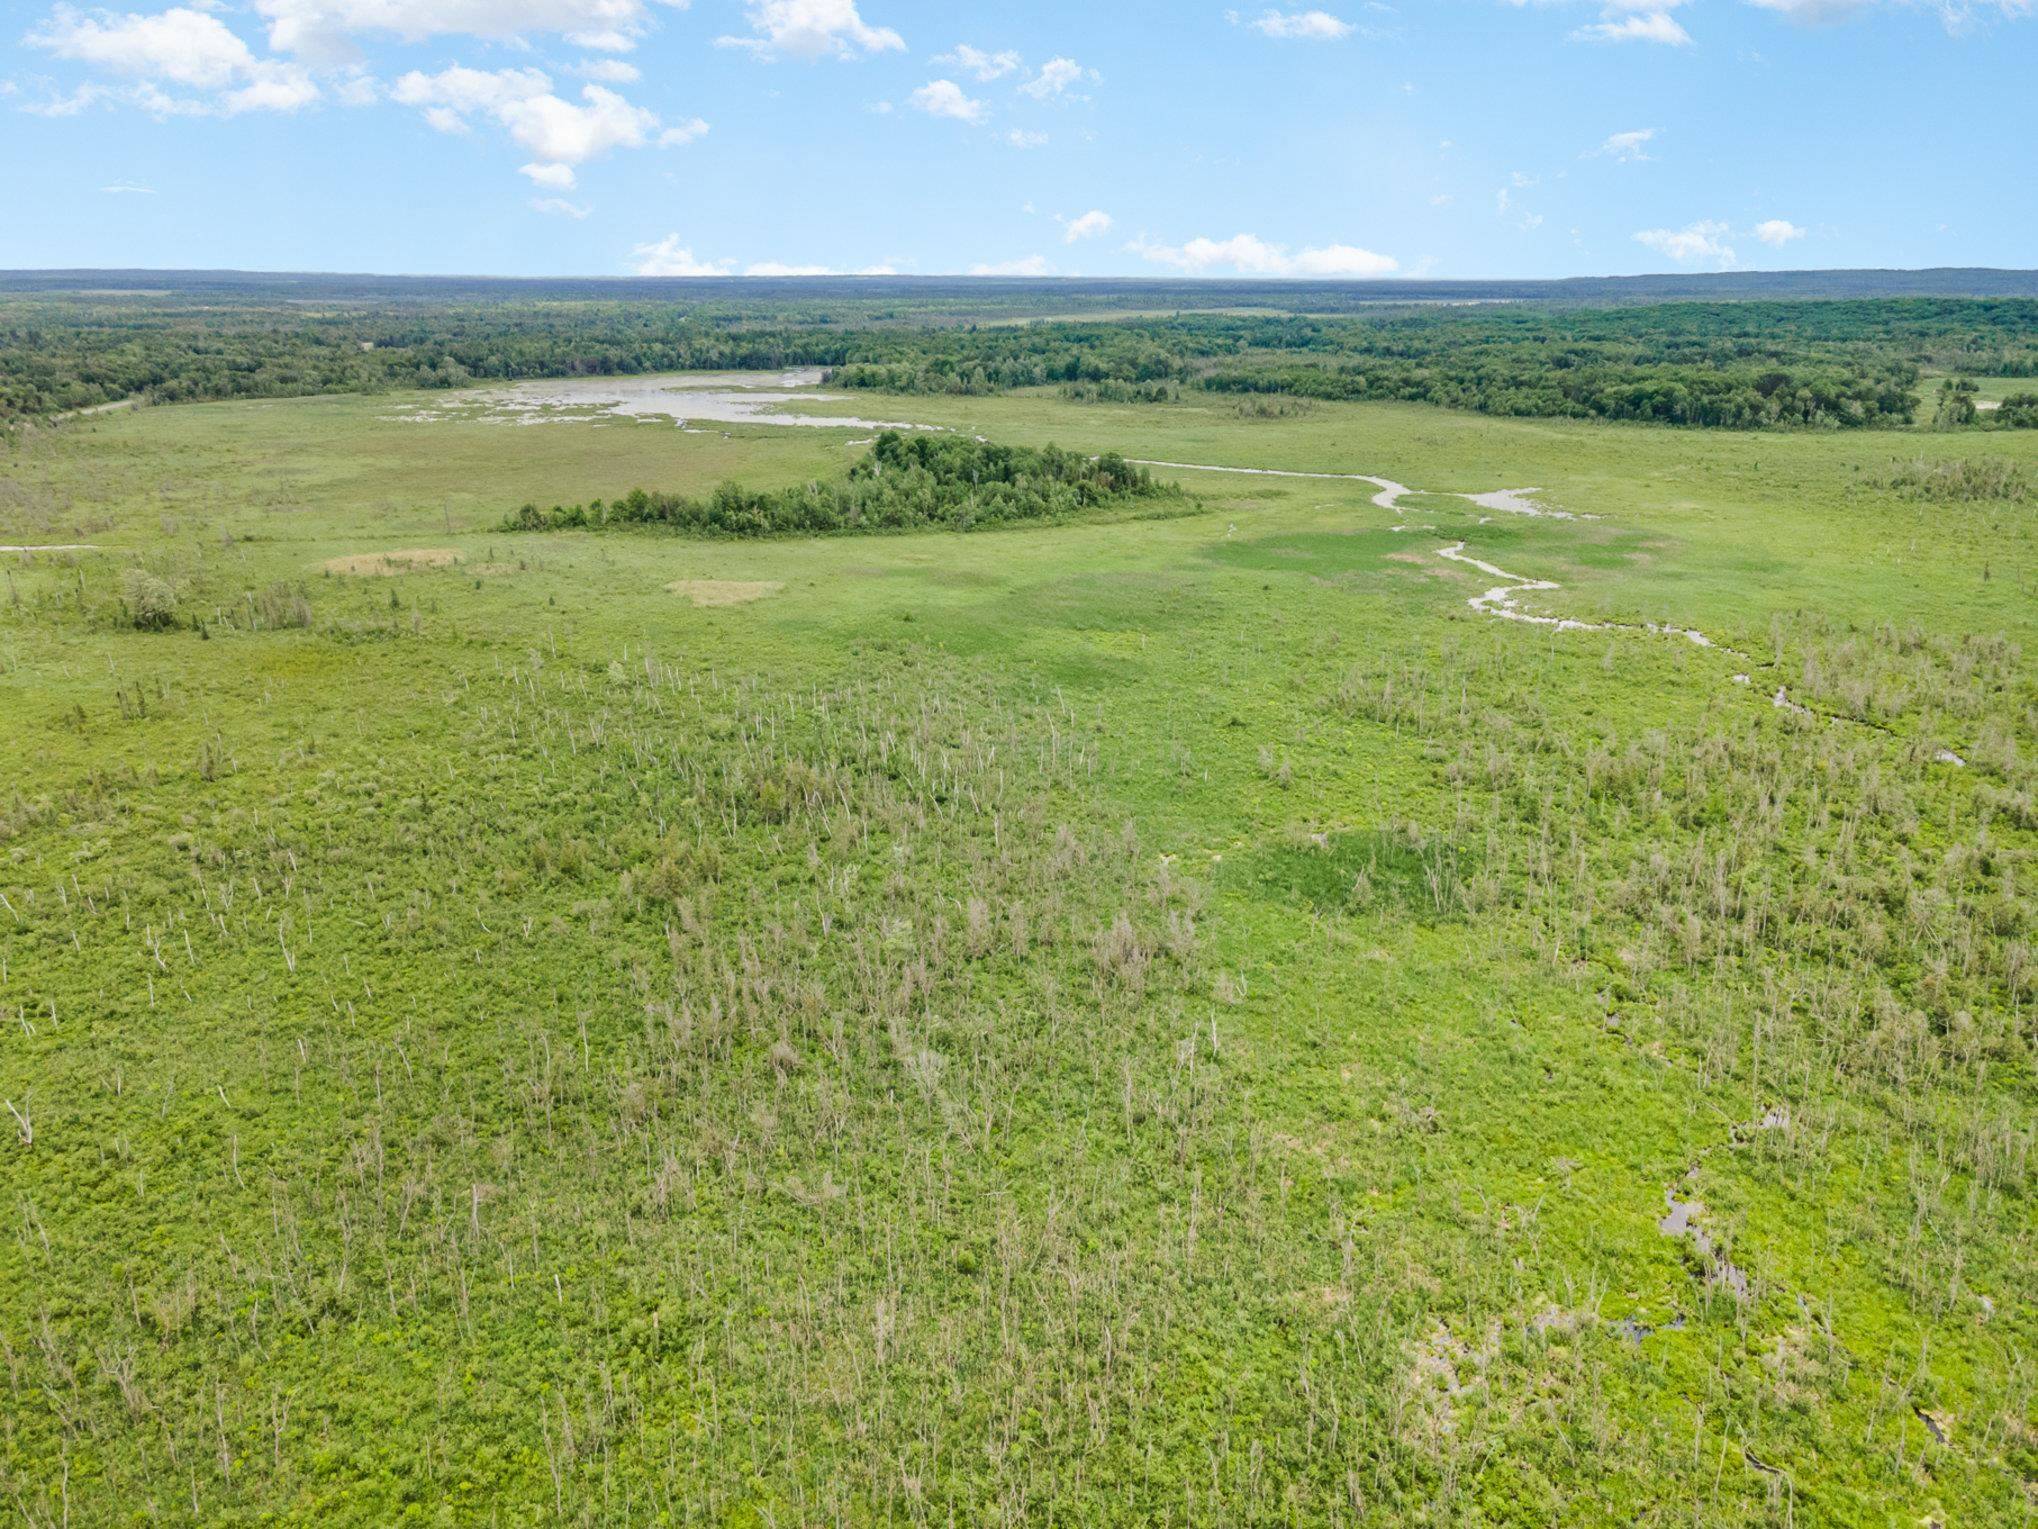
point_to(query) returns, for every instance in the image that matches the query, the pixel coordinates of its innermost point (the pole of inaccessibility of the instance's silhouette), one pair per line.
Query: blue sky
(1448, 138)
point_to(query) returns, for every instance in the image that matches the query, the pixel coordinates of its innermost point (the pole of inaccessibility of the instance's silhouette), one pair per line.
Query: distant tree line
(906, 482)
(1735, 365)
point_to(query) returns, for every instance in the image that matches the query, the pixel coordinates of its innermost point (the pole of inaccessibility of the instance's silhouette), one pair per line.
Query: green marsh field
(1210, 1008)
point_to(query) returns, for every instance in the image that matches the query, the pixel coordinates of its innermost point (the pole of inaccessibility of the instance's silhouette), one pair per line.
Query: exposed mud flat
(1519, 501)
(689, 399)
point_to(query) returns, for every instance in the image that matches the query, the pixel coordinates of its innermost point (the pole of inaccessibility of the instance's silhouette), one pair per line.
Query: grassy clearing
(1165, 1021)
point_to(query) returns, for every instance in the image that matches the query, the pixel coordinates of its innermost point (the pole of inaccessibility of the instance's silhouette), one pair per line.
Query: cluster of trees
(1111, 390)
(976, 361)
(2019, 411)
(906, 482)
(1958, 406)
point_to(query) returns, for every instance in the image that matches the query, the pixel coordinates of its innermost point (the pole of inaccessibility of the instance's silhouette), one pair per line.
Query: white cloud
(1091, 224)
(811, 29)
(1647, 26)
(1021, 138)
(1250, 255)
(1630, 21)
(945, 98)
(124, 189)
(1812, 10)
(324, 29)
(559, 133)
(1030, 265)
(978, 64)
(1956, 14)
(1056, 78)
(1654, 21)
(1503, 207)
(668, 257)
(1700, 243)
(1777, 232)
(1307, 26)
(559, 207)
(183, 47)
(1628, 148)
(285, 89)
(557, 177)
(610, 71)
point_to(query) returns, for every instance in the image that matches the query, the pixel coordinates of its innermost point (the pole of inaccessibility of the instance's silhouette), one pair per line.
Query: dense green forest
(906, 482)
(1738, 365)
(1729, 365)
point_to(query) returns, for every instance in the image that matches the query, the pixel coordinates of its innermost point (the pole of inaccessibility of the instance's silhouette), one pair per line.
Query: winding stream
(1503, 600)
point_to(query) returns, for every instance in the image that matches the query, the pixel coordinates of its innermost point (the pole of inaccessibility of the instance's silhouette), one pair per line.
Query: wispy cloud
(1700, 243)
(945, 98)
(1057, 77)
(1295, 26)
(811, 29)
(1089, 226)
(978, 64)
(1628, 148)
(1250, 255)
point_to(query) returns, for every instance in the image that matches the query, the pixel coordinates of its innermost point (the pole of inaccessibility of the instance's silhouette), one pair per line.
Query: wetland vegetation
(1173, 1013)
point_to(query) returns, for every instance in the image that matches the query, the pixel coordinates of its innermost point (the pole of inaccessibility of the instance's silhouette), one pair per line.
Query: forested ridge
(1739, 365)
(905, 482)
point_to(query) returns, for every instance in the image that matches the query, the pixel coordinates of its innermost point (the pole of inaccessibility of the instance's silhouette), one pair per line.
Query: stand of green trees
(907, 482)
(2018, 412)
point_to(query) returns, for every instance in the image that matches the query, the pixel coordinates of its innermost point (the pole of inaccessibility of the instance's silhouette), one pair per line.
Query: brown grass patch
(383, 565)
(706, 592)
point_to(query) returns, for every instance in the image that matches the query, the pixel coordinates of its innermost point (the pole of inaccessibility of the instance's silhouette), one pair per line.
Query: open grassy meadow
(1174, 1017)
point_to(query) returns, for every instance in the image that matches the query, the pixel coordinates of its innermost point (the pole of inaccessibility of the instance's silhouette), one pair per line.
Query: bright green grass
(632, 1061)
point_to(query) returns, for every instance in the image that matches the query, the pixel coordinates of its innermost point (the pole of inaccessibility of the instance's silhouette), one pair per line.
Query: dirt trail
(56, 547)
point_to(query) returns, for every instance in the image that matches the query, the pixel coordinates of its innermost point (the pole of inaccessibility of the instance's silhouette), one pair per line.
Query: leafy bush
(1960, 480)
(2018, 412)
(151, 603)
